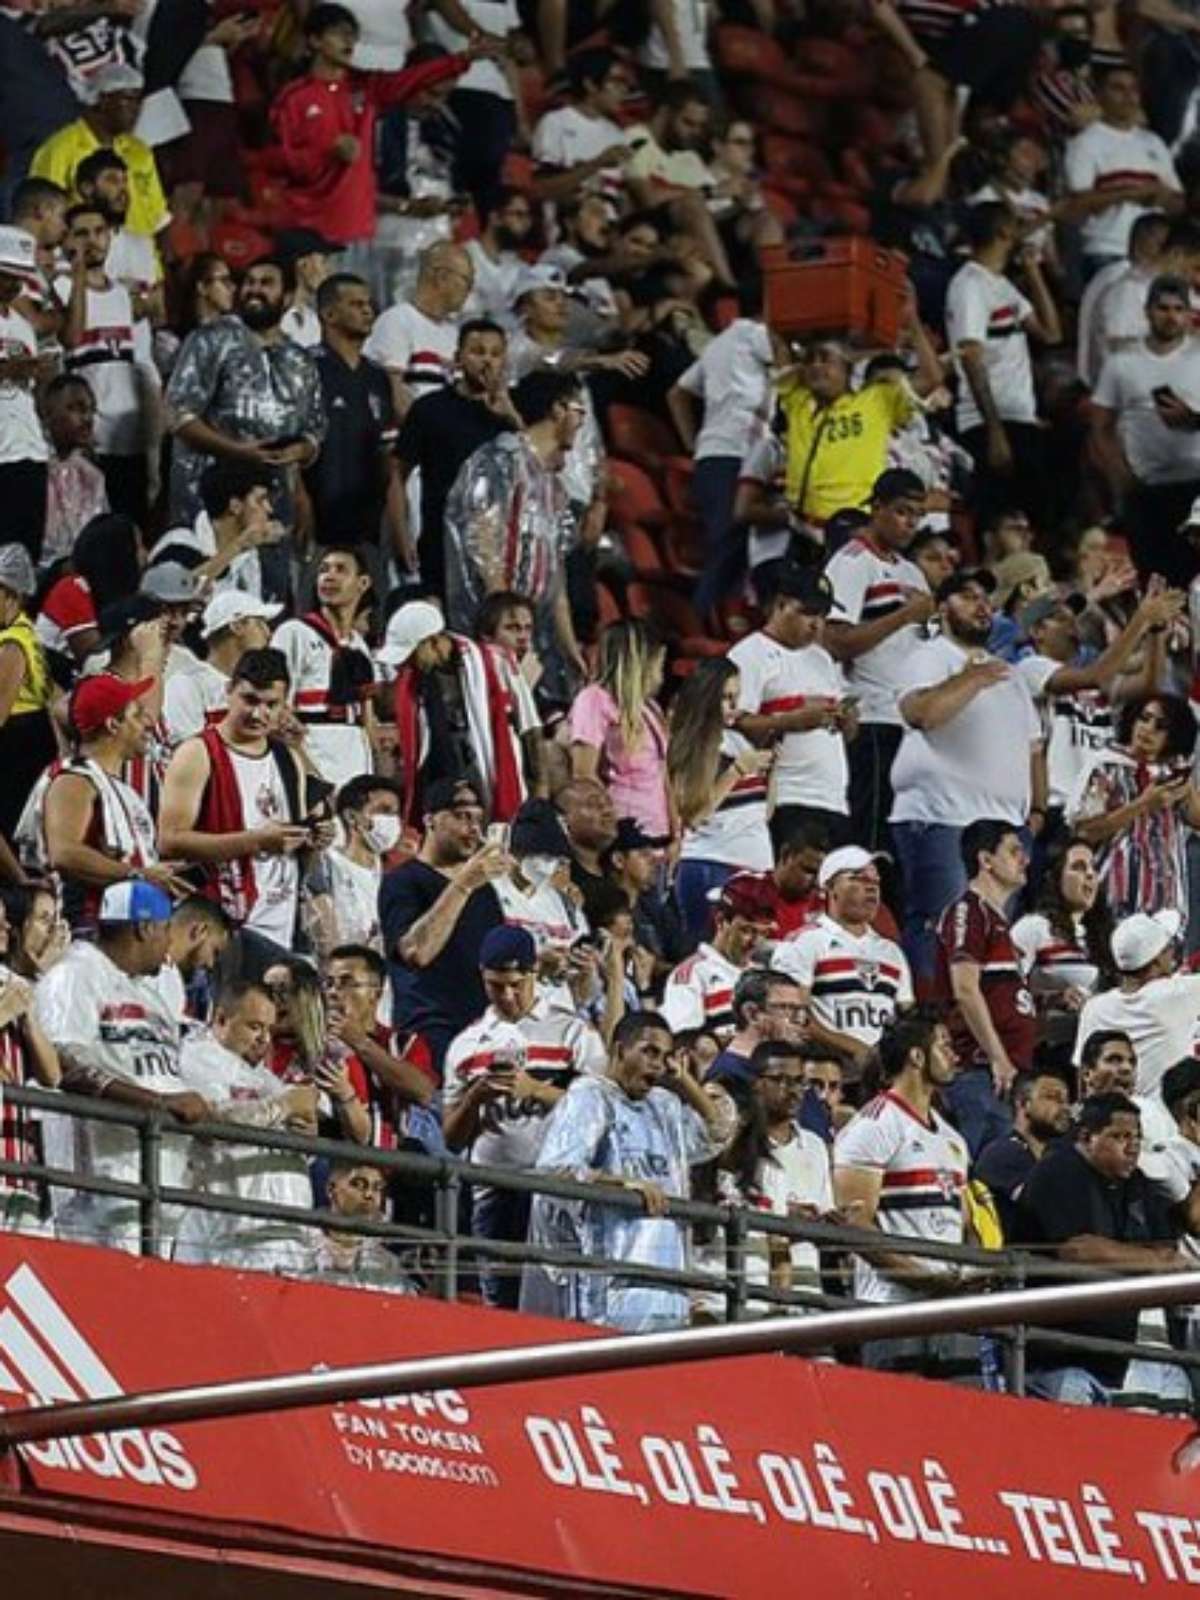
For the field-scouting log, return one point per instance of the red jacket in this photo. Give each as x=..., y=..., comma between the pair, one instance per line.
x=331, y=196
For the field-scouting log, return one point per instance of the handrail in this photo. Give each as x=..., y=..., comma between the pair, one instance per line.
x=446, y=1175
x=575, y=1357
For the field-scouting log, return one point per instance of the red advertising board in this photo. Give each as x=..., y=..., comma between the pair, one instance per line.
x=731, y=1478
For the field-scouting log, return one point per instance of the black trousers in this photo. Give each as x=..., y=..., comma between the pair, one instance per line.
x=127, y=479
x=1025, y=487
x=486, y=127
x=23, y=496
x=1153, y=514
x=870, y=757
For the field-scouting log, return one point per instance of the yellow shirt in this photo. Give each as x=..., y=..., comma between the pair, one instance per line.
x=846, y=440
x=36, y=689
x=60, y=155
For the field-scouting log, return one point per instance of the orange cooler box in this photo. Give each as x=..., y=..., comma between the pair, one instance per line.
x=844, y=286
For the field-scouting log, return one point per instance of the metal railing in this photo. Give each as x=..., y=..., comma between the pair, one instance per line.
x=446, y=1254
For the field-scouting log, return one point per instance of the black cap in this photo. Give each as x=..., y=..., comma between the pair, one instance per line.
x=632, y=836
x=897, y=483
x=121, y=616
x=292, y=243
x=538, y=831
x=443, y=794
x=963, y=578
x=809, y=585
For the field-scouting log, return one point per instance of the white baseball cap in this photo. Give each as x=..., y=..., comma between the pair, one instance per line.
x=850, y=858
x=18, y=252
x=229, y=606
x=410, y=626
x=1138, y=939
x=1192, y=520
x=543, y=275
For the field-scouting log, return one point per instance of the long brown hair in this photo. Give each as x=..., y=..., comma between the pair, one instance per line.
x=694, y=747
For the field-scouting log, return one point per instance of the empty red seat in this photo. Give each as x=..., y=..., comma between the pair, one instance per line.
x=641, y=436
x=785, y=158
x=747, y=53
x=633, y=495
x=781, y=109
x=642, y=551
x=684, y=545
x=678, y=484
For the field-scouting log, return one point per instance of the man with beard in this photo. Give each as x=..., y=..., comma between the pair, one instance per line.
x=241, y=390
x=355, y=481
x=971, y=747
x=103, y=180
x=441, y=430
x=104, y=346
x=1041, y=1114
x=494, y=255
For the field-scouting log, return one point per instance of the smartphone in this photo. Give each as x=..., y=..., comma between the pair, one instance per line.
x=497, y=834
x=1163, y=392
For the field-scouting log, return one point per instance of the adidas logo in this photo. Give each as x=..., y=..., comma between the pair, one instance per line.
x=47, y=1361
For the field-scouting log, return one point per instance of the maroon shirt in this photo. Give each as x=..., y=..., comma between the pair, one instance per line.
x=973, y=930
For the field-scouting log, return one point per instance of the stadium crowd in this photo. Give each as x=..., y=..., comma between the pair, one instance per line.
x=471, y=682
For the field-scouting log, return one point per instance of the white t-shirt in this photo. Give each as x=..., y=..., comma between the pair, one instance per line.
x=924, y=1168
x=869, y=583
x=338, y=750
x=302, y=324
x=244, y=572
x=565, y=137
x=194, y=698
x=1092, y=325
x=21, y=436
x=699, y=993
x=733, y=380
x=1030, y=205
x=413, y=346
x=1103, y=155
x=1050, y=963
x=276, y=877
x=765, y=464
x=354, y=890
x=384, y=35
x=555, y=1048
x=810, y=768
x=855, y=982
x=977, y=763
x=1160, y=1018
x=1075, y=726
x=736, y=833
x=495, y=281
x=1156, y=453
x=133, y=261
x=691, y=23
x=108, y=357
x=984, y=307
x=493, y=16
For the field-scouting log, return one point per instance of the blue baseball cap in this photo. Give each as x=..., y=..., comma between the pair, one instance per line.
x=507, y=948
x=135, y=900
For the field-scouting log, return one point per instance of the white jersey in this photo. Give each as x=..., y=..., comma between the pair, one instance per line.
x=195, y=697
x=699, y=993
x=923, y=1165
x=869, y=583
x=248, y=1095
x=113, y=1027
x=1093, y=317
x=810, y=768
x=732, y=380
x=552, y=920
x=1076, y=726
x=855, y=982
x=736, y=833
x=1127, y=384
x=1049, y=963
x=414, y=348
x=276, y=877
x=1160, y=1018
x=567, y=137
x=985, y=308
x=1103, y=156
x=113, y=358
x=336, y=741
x=354, y=890
x=553, y=1048
x=21, y=435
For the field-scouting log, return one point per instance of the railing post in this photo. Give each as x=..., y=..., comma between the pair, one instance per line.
x=1018, y=1348
x=150, y=1204
x=735, y=1264
x=449, y=1188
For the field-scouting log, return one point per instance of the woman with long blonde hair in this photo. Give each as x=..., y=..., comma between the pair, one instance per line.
x=618, y=732
x=718, y=785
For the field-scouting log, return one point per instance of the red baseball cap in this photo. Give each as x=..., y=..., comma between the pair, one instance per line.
x=750, y=895
x=97, y=699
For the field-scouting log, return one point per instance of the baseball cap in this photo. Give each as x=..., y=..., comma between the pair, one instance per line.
x=1138, y=939
x=508, y=949
x=171, y=582
x=16, y=570
x=1026, y=566
x=116, y=78
x=95, y=700
x=632, y=836
x=897, y=483
x=962, y=579
x=443, y=794
x=1040, y=610
x=231, y=605
x=117, y=619
x=18, y=252
x=292, y=243
x=541, y=276
x=134, y=900
x=809, y=585
x=410, y=626
x=850, y=858
x=536, y=830
x=747, y=894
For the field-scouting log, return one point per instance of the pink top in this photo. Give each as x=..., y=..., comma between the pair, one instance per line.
x=636, y=779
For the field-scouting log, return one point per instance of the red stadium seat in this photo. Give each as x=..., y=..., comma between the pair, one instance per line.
x=678, y=482
x=785, y=158
x=633, y=495
x=607, y=607
x=674, y=616
x=641, y=436
x=684, y=546
x=643, y=553
x=746, y=53
x=781, y=109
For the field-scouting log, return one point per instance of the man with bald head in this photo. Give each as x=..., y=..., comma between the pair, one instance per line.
x=417, y=339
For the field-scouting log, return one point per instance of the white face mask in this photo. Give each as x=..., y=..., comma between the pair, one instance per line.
x=383, y=833
x=538, y=870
